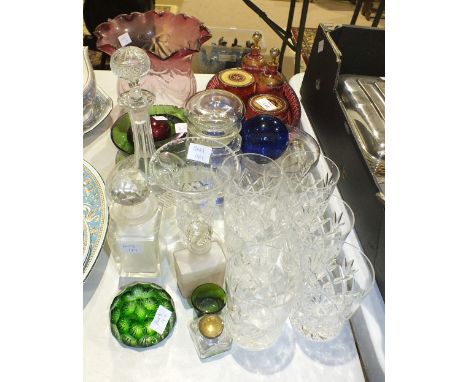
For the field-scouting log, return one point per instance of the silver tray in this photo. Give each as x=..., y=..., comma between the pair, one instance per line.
x=363, y=100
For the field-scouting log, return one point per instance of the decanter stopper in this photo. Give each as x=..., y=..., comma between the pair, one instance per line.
x=270, y=81
x=274, y=54
x=253, y=62
x=256, y=37
x=132, y=63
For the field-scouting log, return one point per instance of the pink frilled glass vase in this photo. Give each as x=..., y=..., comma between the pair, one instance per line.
x=169, y=40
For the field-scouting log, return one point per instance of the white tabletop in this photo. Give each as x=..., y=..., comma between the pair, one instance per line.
x=175, y=359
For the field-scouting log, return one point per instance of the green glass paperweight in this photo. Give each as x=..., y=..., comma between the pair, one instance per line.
x=142, y=315
x=208, y=299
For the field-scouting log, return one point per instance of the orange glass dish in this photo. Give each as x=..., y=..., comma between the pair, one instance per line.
x=268, y=104
x=237, y=81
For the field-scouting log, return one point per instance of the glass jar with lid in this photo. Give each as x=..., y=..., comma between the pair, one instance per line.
x=216, y=114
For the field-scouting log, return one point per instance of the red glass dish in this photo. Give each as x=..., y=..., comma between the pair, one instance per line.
x=294, y=109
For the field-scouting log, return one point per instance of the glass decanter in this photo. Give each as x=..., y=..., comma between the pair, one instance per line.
x=135, y=214
x=270, y=80
x=253, y=61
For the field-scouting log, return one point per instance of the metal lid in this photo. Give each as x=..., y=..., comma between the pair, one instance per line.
x=211, y=326
x=363, y=98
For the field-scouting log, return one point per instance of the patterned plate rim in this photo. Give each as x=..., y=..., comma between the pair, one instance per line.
x=96, y=248
x=101, y=94
x=86, y=242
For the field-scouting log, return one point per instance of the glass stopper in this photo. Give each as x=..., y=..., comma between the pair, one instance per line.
x=274, y=54
x=256, y=37
x=130, y=63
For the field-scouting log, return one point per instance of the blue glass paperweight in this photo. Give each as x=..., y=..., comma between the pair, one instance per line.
x=265, y=135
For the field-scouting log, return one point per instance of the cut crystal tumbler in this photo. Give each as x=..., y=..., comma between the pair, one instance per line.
x=332, y=294
x=261, y=284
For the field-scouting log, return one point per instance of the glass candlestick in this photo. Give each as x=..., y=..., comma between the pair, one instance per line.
x=135, y=214
x=270, y=81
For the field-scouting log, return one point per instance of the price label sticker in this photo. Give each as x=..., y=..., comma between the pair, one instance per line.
x=180, y=127
x=199, y=153
x=159, y=118
x=131, y=248
x=124, y=39
x=320, y=46
x=266, y=104
x=160, y=320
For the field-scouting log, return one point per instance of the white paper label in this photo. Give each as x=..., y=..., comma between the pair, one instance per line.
x=125, y=39
x=199, y=153
x=222, y=57
x=131, y=248
x=159, y=118
x=320, y=46
x=266, y=104
x=160, y=320
x=180, y=127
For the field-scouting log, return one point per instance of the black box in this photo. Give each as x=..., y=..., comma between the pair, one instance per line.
x=337, y=50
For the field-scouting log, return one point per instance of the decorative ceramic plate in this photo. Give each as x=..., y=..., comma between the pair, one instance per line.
x=142, y=315
x=95, y=214
x=86, y=241
x=102, y=108
x=294, y=112
x=119, y=131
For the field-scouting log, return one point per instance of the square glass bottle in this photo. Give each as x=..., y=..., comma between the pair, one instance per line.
x=209, y=335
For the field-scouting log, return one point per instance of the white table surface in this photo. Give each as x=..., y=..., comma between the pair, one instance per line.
x=175, y=359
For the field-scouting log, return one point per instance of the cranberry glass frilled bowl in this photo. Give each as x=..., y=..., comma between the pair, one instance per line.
x=169, y=40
